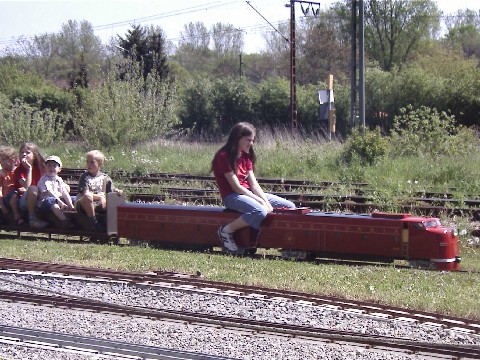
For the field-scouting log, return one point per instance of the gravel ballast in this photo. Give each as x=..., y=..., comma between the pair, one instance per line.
x=202, y=339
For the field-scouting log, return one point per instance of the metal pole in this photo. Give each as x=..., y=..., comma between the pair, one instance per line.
x=361, y=63
x=240, y=58
x=353, y=65
x=293, y=86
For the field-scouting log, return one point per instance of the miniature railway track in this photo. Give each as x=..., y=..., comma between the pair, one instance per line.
x=302, y=192
x=318, y=202
x=185, y=282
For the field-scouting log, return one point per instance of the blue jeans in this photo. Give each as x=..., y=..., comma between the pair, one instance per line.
x=252, y=211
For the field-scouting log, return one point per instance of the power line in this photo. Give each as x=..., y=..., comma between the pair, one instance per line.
x=179, y=12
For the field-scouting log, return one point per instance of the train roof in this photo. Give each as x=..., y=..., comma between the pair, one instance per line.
x=374, y=215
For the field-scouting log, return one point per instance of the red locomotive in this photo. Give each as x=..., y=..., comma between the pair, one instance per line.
x=300, y=233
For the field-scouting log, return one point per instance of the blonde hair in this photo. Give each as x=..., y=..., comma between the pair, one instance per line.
x=8, y=152
x=97, y=155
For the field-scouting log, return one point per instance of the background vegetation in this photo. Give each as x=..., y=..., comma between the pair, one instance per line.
x=141, y=87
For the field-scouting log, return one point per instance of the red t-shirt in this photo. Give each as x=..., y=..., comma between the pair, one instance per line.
x=21, y=173
x=7, y=183
x=221, y=167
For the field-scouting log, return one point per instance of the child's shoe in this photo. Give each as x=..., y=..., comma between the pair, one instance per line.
x=227, y=240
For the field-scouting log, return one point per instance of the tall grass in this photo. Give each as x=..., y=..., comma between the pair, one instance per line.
x=295, y=156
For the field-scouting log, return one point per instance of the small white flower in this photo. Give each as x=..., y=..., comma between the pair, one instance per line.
x=463, y=232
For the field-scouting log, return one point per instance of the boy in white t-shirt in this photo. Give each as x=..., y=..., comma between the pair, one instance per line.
x=54, y=192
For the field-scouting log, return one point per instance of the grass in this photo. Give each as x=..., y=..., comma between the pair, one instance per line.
x=445, y=292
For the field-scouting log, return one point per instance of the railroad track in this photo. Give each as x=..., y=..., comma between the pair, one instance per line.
x=255, y=327
x=302, y=192
x=313, y=201
x=194, y=283
x=246, y=327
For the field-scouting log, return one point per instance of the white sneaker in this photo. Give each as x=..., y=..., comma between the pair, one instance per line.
x=227, y=240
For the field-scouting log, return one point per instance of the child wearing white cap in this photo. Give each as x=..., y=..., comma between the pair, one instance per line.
x=54, y=192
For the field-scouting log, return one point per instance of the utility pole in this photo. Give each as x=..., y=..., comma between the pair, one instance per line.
x=293, y=70
x=293, y=79
x=353, y=65
x=361, y=63
x=241, y=63
x=358, y=32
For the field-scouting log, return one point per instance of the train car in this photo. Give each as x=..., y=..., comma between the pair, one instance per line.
x=299, y=233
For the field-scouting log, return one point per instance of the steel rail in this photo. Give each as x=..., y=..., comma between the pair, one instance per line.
x=93, y=346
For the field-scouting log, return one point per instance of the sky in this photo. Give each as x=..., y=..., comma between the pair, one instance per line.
x=115, y=17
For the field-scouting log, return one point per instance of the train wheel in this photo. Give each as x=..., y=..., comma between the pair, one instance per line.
x=421, y=264
x=297, y=254
x=252, y=251
x=140, y=243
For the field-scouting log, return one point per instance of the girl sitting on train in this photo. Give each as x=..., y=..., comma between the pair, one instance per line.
x=26, y=177
x=233, y=168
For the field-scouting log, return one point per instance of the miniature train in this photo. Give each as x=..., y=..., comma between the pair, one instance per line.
x=298, y=233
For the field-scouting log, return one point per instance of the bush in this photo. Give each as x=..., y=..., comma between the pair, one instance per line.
x=126, y=112
x=366, y=149
x=197, y=112
x=233, y=100
x=426, y=132
x=45, y=97
x=273, y=107
x=22, y=122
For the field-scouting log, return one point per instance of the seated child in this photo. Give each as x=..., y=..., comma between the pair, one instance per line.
x=9, y=161
x=26, y=177
x=93, y=186
x=53, y=192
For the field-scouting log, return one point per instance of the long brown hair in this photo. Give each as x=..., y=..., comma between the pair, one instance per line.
x=238, y=131
x=38, y=159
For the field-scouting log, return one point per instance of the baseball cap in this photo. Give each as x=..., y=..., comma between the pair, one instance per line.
x=54, y=158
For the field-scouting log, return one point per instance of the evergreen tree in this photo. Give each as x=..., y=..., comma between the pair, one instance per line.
x=146, y=46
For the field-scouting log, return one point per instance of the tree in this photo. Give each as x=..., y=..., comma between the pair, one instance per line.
x=62, y=56
x=40, y=53
x=321, y=52
x=278, y=49
x=395, y=28
x=196, y=36
x=226, y=40
x=465, y=37
x=193, y=51
x=273, y=106
x=463, y=17
x=81, y=51
x=147, y=47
